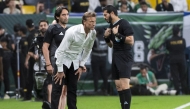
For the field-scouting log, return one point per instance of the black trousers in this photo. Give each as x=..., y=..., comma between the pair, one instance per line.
x=71, y=82
x=179, y=76
x=30, y=79
x=6, y=67
x=98, y=65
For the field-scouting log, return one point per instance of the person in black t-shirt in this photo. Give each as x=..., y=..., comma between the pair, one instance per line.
x=164, y=6
x=176, y=47
x=52, y=40
x=119, y=36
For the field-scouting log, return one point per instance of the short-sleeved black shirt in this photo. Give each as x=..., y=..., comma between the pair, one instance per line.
x=124, y=29
x=54, y=36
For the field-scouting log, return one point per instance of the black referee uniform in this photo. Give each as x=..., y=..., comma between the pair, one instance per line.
x=54, y=36
x=176, y=47
x=122, y=58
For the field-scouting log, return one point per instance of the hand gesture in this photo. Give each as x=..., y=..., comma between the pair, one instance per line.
x=58, y=77
x=115, y=29
x=107, y=32
x=79, y=72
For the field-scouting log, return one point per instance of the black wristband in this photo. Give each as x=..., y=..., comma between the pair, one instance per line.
x=107, y=40
x=121, y=37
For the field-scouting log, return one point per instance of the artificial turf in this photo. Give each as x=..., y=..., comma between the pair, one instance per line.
x=108, y=102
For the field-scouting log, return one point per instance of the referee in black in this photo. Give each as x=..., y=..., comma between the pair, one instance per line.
x=119, y=36
x=52, y=40
x=176, y=47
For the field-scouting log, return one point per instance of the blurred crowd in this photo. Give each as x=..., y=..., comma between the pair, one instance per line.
x=79, y=6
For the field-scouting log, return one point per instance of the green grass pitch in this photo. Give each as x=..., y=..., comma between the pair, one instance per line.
x=108, y=102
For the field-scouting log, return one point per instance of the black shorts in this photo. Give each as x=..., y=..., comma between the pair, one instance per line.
x=121, y=67
x=49, y=79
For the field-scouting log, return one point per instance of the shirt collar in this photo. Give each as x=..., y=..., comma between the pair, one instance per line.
x=58, y=25
x=82, y=29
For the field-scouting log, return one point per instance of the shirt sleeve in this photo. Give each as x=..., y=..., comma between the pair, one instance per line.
x=87, y=50
x=65, y=44
x=127, y=29
x=49, y=34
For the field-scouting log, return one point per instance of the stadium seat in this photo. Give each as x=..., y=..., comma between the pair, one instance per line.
x=28, y=9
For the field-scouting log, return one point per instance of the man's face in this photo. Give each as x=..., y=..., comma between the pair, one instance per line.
x=107, y=16
x=43, y=27
x=90, y=23
x=64, y=16
x=124, y=8
x=144, y=8
x=143, y=72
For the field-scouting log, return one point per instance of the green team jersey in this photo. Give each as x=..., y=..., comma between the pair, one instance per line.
x=150, y=78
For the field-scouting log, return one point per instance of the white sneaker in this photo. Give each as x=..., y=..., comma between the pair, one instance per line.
x=6, y=97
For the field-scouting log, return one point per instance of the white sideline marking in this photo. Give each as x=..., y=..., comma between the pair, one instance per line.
x=183, y=106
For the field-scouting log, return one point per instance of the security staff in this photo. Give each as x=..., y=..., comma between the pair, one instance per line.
x=99, y=60
x=23, y=48
x=52, y=40
x=30, y=79
x=176, y=47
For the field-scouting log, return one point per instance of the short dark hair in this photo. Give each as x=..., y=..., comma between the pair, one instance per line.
x=4, y=39
x=23, y=29
x=16, y=27
x=88, y=14
x=110, y=9
x=58, y=12
x=43, y=20
x=175, y=30
x=143, y=3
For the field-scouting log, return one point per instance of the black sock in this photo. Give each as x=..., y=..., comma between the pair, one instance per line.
x=121, y=97
x=125, y=98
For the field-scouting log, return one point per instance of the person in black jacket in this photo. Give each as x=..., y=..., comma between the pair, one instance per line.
x=176, y=47
x=119, y=36
x=164, y=6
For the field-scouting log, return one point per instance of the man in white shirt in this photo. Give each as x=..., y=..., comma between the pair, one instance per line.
x=78, y=39
x=145, y=9
x=179, y=5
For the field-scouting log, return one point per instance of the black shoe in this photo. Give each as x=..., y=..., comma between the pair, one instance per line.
x=46, y=105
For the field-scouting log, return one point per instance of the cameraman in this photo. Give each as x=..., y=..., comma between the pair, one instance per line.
x=33, y=51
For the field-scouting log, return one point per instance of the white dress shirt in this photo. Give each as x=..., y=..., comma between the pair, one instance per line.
x=149, y=10
x=73, y=44
x=179, y=5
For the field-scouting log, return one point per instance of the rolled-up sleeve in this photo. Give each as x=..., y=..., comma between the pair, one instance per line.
x=59, y=54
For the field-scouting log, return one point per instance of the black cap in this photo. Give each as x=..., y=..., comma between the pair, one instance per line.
x=3, y=39
x=29, y=23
